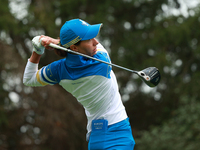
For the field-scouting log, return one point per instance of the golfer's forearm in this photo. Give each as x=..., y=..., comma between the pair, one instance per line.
x=35, y=58
x=30, y=74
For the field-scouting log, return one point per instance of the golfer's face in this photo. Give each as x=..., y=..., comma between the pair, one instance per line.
x=88, y=47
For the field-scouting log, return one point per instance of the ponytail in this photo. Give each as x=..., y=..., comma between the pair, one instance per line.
x=60, y=53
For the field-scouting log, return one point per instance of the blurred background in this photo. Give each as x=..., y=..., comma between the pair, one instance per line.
x=137, y=34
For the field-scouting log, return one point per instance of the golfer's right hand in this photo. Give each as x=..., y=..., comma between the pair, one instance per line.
x=46, y=40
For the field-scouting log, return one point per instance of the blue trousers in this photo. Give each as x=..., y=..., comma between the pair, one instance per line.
x=117, y=137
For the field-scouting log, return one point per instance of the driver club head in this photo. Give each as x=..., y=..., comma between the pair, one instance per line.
x=151, y=76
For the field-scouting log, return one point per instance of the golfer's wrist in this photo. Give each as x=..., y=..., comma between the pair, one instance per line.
x=35, y=58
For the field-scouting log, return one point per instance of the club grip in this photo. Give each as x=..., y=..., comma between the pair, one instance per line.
x=54, y=46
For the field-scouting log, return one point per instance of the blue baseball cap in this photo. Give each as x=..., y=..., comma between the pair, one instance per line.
x=75, y=30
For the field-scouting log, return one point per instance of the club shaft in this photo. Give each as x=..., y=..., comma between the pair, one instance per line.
x=74, y=52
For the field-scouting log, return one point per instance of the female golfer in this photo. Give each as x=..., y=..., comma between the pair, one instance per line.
x=92, y=83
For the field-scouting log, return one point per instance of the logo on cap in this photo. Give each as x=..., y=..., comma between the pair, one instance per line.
x=84, y=23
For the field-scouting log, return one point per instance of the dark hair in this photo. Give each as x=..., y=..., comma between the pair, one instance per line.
x=63, y=53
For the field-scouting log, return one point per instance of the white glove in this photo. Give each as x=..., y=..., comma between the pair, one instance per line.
x=37, y=46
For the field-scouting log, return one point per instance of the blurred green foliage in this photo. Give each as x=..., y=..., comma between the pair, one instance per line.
x=181, y=131
x=137, y=34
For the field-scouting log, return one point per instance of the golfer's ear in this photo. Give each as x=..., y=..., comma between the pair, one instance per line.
x=74, y=48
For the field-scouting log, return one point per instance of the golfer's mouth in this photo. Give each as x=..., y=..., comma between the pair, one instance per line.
x=95, y=51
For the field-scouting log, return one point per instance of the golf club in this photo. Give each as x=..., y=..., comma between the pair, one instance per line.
x=151, y=75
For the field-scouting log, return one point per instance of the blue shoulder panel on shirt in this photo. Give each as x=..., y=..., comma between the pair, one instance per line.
x=50, y=73
x=75, y=67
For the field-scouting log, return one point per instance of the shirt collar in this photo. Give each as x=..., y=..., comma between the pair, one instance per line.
x=75, y=60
